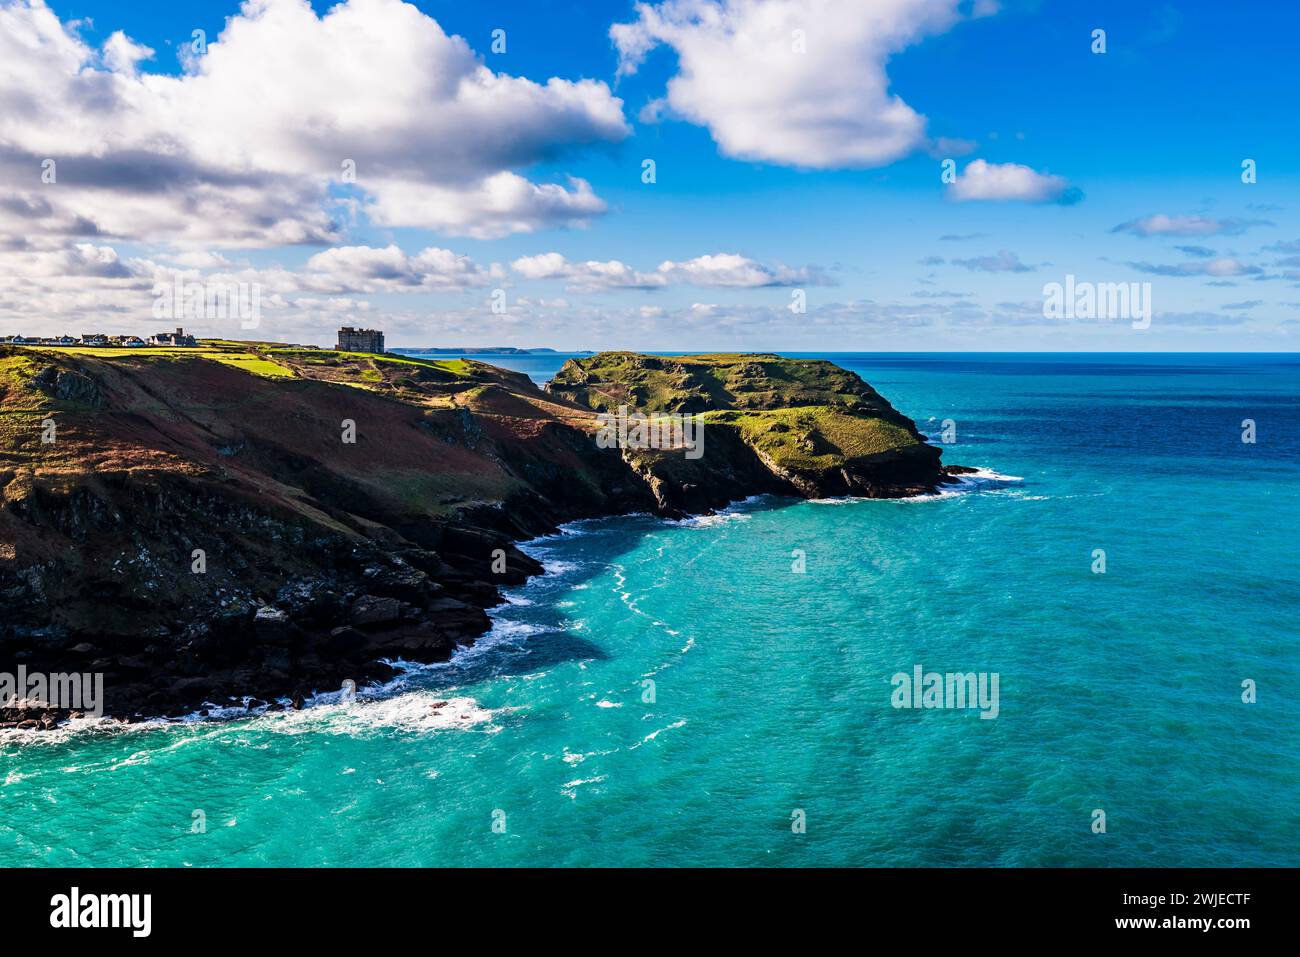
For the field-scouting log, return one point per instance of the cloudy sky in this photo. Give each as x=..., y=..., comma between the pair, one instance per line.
x=674, y=176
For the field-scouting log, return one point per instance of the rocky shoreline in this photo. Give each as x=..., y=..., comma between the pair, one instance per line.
x=317, y=565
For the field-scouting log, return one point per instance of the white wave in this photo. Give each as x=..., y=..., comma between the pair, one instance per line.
x=577, y=757
x=574, y=529
x=511, y=628
x=736, y=511
x=418, y=711
x=66, y=730
x=965, y=483
x=989, y=475
x=552, y=567
x=654, y=734
x=712, y=521
x=570, y=789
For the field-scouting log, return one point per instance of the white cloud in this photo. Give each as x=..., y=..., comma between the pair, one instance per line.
x=1004, y=261
x=494, y=207
x=590, y=275
x=718, y=270
x=334, y=304
x=200, y=259
x=1219, y=267
x=729, y=269
x=743, y=74
x=373, y=269
x=1000, y=182
x=1162, y=225
x=87, y=287
x=121, y=53
x=242, y=150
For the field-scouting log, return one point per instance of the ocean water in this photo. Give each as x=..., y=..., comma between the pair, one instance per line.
x=772, y=687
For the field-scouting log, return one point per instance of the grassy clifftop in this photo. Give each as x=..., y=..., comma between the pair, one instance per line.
x=713, y=382
x=819, y=429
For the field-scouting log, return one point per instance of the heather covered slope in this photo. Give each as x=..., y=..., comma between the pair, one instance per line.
x=262, y=520
x=801, y=426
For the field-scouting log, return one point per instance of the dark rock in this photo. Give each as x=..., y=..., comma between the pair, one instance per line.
x=373, y=611
x=68, y=386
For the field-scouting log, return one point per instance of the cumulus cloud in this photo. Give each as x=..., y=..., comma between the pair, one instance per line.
x=87, y=259
x=1162, y=225
x=727, y=270
x=122, y=54
x=1001, y=182
x=588, y=275
x=731, y=270
x=494, y=207
x=242, y=149
x=373, y=269
x=85, y=286
x=794, y=82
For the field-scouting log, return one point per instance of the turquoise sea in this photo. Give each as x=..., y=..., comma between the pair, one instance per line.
x=772, y=688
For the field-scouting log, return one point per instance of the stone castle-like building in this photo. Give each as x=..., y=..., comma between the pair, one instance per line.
x=360, y=340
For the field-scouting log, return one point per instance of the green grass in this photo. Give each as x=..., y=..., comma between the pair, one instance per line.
x=114, y=351
x=722, y=381
x=810, y=438
x=248, y=360
x=260, y=358
x=457, y=367
x=17, y=368
x=257, y=365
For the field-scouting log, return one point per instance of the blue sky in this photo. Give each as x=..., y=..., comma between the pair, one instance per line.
x=773, y=175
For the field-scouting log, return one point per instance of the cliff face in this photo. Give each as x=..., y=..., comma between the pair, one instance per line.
x=262, y=521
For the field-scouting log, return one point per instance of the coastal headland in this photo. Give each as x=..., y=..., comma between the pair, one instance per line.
x=239, y=521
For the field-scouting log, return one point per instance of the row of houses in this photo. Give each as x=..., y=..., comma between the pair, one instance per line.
x=95, y=340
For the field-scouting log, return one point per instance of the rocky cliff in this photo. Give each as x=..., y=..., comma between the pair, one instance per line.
x=252, y=520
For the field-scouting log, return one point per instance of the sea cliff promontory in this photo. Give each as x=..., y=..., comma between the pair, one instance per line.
x=246, y=520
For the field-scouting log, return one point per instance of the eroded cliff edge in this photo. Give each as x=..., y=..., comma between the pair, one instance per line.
x=263, y=521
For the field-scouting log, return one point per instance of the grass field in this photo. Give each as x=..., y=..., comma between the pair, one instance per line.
x=250, y=361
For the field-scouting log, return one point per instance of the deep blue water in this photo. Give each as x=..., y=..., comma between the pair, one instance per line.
x=1119, y=692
